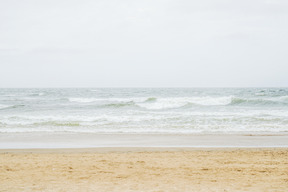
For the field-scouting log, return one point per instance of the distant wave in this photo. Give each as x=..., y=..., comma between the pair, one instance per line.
x=284, y=98
x=182, y=102
x=117, y=105
x=83, y=100
x=165, y=103
x=37, y=94
x=112, y=100
x=2, y=107
x=153, y=102
x=259, y=102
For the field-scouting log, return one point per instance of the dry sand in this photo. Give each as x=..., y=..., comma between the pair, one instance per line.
x=144, y=170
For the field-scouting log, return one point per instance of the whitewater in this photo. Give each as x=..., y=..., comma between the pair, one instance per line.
x=145, y=110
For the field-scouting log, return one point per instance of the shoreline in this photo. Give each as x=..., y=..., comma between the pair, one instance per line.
x=42, y=140
x=133, y=150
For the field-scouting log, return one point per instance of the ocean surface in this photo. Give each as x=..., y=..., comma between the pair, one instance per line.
x=145, y=110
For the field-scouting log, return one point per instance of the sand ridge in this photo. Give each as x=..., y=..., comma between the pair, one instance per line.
x=195, y=170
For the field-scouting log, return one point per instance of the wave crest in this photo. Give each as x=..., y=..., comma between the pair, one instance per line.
x=3, y=107
x=118, y=105
x=258, y=102
x=150, y=99
x=158, y=103
x=57, y=124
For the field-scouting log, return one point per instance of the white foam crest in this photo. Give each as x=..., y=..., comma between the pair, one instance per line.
x=36, y=94
x=284, y=98
x=212, y=100
x=161, y=103
x=281, y=99
x=142, y=116
x=166, y=103
x=4, y=106
x=84, y=100
x=260, y=94
x=90, y=100
x=82, y=119
x=217, y=121
x=150, y=129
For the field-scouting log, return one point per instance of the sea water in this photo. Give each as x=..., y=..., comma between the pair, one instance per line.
x=145, y=110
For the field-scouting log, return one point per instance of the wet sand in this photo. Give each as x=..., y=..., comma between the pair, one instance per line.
x=144, y=169
x=96, y=140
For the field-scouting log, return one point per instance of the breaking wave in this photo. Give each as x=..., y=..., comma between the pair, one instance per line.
x=182, y=102
x=151, y=99
x=144, y=110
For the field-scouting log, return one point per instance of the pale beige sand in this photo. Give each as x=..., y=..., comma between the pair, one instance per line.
x=147, y=170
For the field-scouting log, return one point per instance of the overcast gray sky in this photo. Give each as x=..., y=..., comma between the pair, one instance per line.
x=147, y=43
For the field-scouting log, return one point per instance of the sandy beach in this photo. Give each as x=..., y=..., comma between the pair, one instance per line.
x=144, y=169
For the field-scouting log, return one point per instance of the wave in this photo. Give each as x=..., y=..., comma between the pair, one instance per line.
x=91, y=100
x=180, y=102
x=158, y=103
x=83, y=100
x=280, y=101
x=3, y=107
x=150, y=99
x=118, y=105
x=57, y=124
x=193, y=126
x=174, y=103
x=148, y=121
x=260, y=94
x=37, y=94
x=284, y=98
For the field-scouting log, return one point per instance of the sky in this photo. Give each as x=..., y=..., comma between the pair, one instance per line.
x=143, y=43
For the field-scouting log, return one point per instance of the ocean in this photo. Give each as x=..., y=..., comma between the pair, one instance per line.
x=145, y=110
